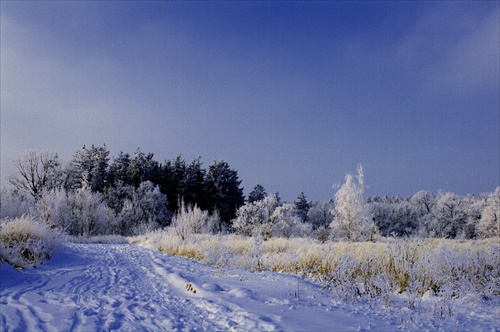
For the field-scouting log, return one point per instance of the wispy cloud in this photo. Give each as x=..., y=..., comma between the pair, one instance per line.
x=279, y=90
x=450, y=58
x=472, y=64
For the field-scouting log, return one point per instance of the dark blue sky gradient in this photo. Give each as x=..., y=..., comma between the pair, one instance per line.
x=291, y=94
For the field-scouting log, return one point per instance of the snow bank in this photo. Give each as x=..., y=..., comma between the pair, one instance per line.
x=94, y=286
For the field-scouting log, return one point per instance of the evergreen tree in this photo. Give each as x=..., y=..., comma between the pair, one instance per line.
x=137, y=167
x=257, y=194
x=223, y=191
x=118, y=194
x=142, y=168
x=194, y=185
x=277, y=198
x=100, y=158
x=119, y=169
x=90, y=166
x=152, y=169
x=302, y=207
x=172, y=181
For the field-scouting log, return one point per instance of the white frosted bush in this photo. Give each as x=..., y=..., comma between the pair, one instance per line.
x=26, y=241
x=193, y=220
x=80, y=213
x=259, y=214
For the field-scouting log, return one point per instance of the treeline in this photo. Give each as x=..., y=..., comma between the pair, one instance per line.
x=131, y=194
x=350, y=216
x=127, y=193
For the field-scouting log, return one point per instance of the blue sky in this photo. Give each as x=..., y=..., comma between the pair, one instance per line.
x=291, y=94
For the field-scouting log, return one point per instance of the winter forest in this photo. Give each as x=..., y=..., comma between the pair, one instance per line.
x=358, y=248
x=95, y=194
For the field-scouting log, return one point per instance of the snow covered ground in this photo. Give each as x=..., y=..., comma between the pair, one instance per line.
x=127, y=287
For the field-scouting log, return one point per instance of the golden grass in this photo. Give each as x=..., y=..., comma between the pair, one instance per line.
x=430, y=262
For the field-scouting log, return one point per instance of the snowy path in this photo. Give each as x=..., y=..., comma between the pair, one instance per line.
x=126, y=287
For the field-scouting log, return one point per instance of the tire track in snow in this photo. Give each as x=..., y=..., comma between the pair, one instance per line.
x=206, y=302
x=117, y=286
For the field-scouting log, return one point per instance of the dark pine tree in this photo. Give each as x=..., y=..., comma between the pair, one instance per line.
x=302, y=206
x=119, y=170
x=257, y=194
x=223, y=191
x=194, y=185
x=152, y=169
x=136, y=168
x=172, y=181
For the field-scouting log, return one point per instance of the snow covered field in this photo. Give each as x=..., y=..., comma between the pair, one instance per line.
x=128, y=287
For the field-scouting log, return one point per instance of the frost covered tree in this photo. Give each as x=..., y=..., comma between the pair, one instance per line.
x=193, y=220
x=352, y=221
x=449, y=216
x=424, y=201
x=80, y=212
x=87, y=213
x=271, y=218
x=52, y=208
x=248, y=217
x=132, y=219
x=258, y=193
x=320, y=214
x=145, y=210
x=489, y=224
x=394, y=216
x=154, y=204
x=90, y=165
x=36, y=171
x=383, y=214
x=474, y=206
x=406, y=218
x=119, y=170
x=118, y=193
x=259, y=214
x=288, y=223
